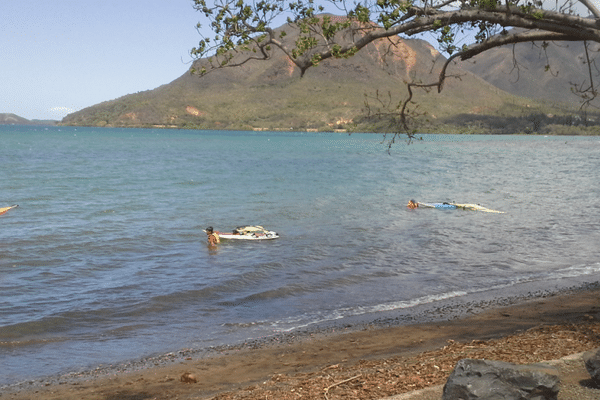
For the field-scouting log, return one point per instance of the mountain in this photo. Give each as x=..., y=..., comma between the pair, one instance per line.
x=521, y=70
x=8, y=119
x=272, y=95
x=12, y=119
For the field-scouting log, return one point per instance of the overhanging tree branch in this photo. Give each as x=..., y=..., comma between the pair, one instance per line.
x=320, y=38
x=244, y=30
x=591, y=7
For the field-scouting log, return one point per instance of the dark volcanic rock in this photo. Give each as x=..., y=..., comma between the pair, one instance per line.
x=592, y=364
x=496, y=380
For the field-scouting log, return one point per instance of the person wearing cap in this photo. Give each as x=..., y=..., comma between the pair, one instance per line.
x=212, y=236
x=412, y=204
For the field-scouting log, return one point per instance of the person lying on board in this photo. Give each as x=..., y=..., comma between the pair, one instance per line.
x=212, y=236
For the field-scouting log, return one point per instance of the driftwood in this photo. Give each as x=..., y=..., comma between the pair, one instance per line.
x=326, y=390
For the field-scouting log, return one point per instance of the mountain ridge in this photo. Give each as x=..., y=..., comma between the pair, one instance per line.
x=336, y=94
x=535, y=70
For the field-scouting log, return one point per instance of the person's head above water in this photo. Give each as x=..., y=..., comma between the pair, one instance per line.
x=412, y=204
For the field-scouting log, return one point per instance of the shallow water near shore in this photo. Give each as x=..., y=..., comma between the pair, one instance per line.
x=105, y=260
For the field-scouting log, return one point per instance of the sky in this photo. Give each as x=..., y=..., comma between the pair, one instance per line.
x=59, y=56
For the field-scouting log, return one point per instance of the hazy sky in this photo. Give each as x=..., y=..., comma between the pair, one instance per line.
x=58, y=56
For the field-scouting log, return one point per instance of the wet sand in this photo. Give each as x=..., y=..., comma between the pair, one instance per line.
x=367, y=362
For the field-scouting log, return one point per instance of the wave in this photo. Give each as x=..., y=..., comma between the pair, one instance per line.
x=295, y=323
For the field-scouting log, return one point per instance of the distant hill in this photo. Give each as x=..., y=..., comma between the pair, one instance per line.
x=272, y=95
x=525, y=75
x=6, y=119
x=12, y=119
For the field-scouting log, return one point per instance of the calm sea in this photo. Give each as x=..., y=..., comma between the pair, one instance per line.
x=105, y=260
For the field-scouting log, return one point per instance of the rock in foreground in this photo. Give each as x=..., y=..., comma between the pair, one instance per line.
x=496, y=380
x=592, y=364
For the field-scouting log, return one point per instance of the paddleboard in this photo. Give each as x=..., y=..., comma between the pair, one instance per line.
x=248, y=233
x=454, y=206
x=441, y=206
x=5, y=209
x=476, y=207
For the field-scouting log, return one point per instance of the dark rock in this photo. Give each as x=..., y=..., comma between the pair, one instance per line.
x=592, y=364
x=496, y=380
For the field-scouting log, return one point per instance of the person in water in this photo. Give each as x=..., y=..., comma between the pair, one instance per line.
x=212, y=236
x=412, y=204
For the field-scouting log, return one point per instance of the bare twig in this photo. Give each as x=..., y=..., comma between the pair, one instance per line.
x=326, y=390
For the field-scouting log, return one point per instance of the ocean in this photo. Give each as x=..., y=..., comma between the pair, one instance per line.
x=104, y=262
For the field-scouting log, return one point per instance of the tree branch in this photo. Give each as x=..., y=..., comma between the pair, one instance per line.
x=520, y=37
x=556, y=26
x=244, y=27
x=590, y=6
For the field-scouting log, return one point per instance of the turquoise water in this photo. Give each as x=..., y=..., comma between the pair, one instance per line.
x=105, y=260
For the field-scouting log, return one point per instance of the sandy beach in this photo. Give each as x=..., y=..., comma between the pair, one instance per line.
x=367, y=363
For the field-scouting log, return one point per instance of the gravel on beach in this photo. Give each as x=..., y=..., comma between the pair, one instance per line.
x=371, y=363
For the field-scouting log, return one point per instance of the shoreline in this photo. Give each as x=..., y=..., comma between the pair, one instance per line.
x=445, y=129
x=232, y=369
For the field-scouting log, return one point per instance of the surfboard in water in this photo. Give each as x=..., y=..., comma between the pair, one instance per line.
x=5, y=209
x=441, y=206
x=248, y=233
x=476, y=207
x=454, y=206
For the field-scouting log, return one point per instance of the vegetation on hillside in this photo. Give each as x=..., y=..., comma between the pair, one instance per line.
x=353, y=94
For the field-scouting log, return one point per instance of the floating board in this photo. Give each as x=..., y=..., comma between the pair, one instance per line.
x=5, y=209
x=476, y=207
x=248, y=233
x=253, y=236
x=442, y=206
x=454, y=206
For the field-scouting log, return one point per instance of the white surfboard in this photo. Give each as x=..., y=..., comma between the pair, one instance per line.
x=254, y=232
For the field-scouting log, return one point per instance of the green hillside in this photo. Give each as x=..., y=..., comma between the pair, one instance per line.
x=272, y=95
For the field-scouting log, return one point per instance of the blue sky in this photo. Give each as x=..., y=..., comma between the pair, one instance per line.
x=58, y=56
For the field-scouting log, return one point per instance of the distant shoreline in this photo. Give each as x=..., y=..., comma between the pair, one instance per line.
x=551, y=130
x=483, y=125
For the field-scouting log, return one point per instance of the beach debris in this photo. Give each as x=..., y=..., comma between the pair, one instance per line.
x=404, y=373
x=486, y=379
x=326, y=390
x=592, y=364
x=188, y=377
